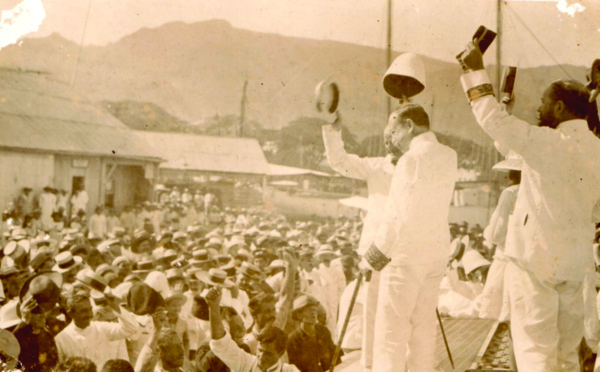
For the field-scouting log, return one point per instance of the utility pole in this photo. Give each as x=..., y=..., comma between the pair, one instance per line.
x=243, y=110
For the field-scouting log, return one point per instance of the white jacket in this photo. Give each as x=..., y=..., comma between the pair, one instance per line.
x=377, y=171
x=551, y=230
x=415, y=224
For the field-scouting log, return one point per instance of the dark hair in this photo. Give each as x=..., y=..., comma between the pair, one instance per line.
x=255, y=304
x=514, y=176
x=76, y=364
x=165, y=337
x=416, y=113
x=117, y=365
x=275, y=336
x=576, y=98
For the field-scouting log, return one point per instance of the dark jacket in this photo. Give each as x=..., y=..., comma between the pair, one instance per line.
x=311, y=354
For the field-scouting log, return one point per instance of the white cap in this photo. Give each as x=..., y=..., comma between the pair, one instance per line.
x=405, y=77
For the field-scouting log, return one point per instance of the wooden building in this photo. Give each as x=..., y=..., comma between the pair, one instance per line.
x=232, y=168
x=52, y=136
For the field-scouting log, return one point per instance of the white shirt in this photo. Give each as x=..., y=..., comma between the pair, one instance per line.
x=551, y=230
x=415, y=224
x=377, y=172
x=496, y=230
x=93, y=341
x=354, y=332
x=98, y=225
x=240, y=361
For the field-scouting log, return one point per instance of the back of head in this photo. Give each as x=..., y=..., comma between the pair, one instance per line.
x=416, y=113
x=76, y=364
x=255, y=304
x=166, y=337
x=117, y=365
x=275, y=336
x=576, y=98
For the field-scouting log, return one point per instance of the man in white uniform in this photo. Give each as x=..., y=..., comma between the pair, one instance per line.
x=377, y=172
x=412, y=241
x=551, y=229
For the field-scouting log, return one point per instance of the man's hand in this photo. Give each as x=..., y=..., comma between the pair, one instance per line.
x=365, y=268
x=508, y=102
x=471, y=58
x=27, y=307
x=159, y=318
x=213, y=298
x=113, y=302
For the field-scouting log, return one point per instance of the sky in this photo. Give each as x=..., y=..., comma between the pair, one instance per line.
x=436, y=28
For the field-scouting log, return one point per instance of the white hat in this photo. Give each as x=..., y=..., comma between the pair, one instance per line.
x=472, y=260
x=513, y=161
x=405, y=77
x=65, y=261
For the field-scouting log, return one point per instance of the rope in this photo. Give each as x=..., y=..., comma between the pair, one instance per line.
x=538, y=41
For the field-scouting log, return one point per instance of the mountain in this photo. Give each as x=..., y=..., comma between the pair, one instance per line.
x=196, y=71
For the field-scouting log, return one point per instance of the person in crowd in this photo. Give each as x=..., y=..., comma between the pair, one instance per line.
x=549, y=234
x=39, y=353
x=77, y=364
x=266, y=310
x=117, y=365
x=97, y=225
x=79, y=201
x=47, y=202
x=332, y=281
x=82, y=337
x=25, y=202
x=272, y=343
x=410, y=247
x=494, y=303
x=163, y=353
x=377, y=172
x=310, y=347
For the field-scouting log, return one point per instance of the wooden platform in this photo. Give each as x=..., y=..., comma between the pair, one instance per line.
x=465, y=337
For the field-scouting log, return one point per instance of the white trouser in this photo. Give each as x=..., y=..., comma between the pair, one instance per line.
x=405, y=330
x=546, y=320
x=371, y=295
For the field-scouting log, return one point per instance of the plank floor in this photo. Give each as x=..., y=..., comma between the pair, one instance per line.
x=465, y=337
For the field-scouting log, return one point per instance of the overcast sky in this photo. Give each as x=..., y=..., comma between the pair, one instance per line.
x=437, y=28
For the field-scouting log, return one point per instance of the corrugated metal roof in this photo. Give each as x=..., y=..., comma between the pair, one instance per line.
x=205, y=153
x=284, y=170
x=39, y=113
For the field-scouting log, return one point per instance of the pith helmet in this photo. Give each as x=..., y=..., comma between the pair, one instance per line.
x=405, y=78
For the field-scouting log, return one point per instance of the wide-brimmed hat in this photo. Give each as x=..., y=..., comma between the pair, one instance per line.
x=200, y=256
x=512, y=161
x=301, y=302
x=9, y=344
x=104, y=268
x=144, y=266
x=324, y=250
x=159, y=282
x=65, y=261
x=97, y=285
x=472, y=260
x=230, y=270
x=15, y=250
x=215, y=277
x=213, y=242
x=119, y=260
x=44, y=288
x=37, y=260
x=18, y=233
x=250, y=270
x=169, y=255
x=104, y=246
x=174, y=273
x=180, y=235
x=9, y=316
x=143, y=300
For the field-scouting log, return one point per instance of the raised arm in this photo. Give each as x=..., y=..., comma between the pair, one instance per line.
x=348, y=165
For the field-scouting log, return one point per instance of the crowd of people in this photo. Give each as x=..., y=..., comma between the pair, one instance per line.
x=139, y=298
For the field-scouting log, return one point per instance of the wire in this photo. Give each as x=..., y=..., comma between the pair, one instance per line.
x=538, y=40
x=87, y=16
